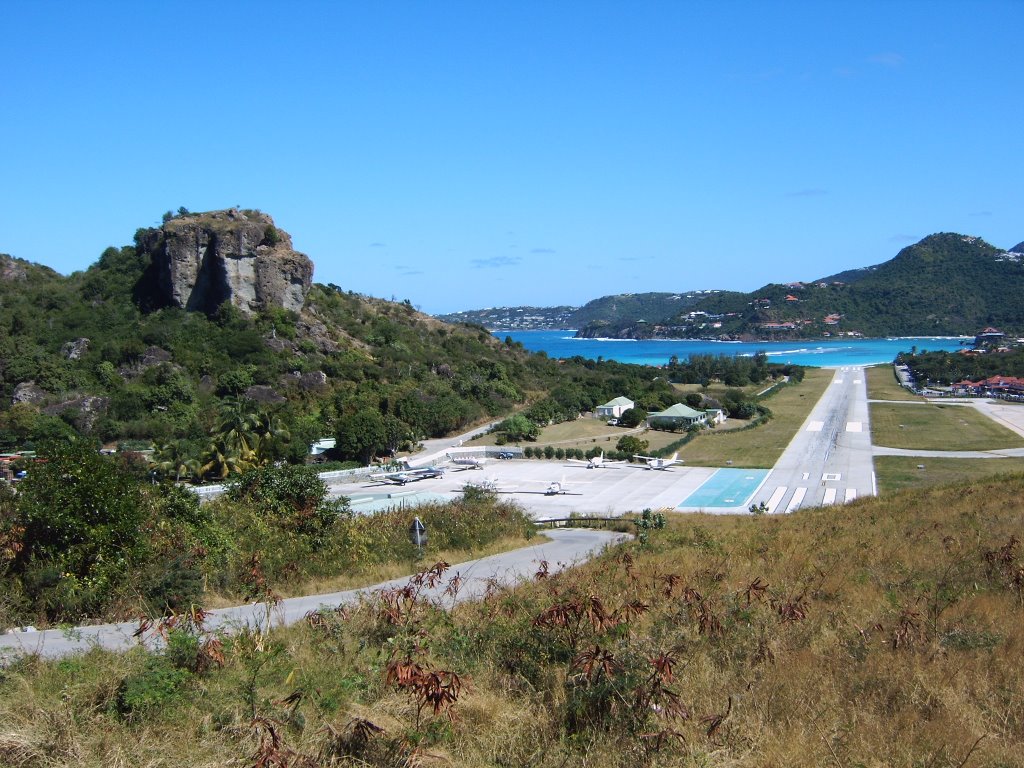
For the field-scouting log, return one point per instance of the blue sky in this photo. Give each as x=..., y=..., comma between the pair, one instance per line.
x=473, y=154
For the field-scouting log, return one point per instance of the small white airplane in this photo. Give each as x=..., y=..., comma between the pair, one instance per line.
x=555, y=487
x=407, y=475
x=469, y=462
x=596, y=462
x=653, y=462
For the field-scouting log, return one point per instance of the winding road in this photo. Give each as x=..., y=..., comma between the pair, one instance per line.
x=561, y=548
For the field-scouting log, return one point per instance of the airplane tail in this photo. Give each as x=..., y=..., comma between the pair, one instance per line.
x=674, y=456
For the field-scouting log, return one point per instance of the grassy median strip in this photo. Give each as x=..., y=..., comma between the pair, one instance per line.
x=761, y=447
x=882, y=385
x=896, y=473
x=938, y=427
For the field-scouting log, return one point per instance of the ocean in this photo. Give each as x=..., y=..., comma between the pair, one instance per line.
x=828, y=353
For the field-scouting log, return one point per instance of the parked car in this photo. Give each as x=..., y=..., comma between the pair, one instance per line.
x=506, y=455
x=613, y=422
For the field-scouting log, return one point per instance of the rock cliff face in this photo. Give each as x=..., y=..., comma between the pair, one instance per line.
x=199, y=261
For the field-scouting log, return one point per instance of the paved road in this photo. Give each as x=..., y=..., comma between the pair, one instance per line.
x=999, y=453
x=829, y=461
x=565, y=547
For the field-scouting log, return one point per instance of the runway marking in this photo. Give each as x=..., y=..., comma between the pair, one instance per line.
x=856, y=381
x=853, y=426
x=806, y=475
x=816, y=426
x=776, y=498
x=838, y=381
x=798, y=497
x=831, y=476
x=830, y=497
x=851, y=494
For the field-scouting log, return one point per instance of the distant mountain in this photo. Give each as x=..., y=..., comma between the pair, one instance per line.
x=947, y=284
x=515, y=318
x=618, y=309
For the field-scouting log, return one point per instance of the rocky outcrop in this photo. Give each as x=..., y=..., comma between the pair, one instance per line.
x=11, y=269
x=29, y=392
x=87, y=411
x=73, y=350
x=311, y=381
x=199, y=261
x=264, y=395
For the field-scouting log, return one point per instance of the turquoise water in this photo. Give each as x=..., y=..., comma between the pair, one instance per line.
x=726, y=488
x=369, y=503
x=824, y=353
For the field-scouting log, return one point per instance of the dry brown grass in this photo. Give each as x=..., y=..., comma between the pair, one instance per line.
x=883, y=633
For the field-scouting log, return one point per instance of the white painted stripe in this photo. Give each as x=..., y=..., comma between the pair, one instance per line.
x=838, y=381
x=798, y=497
x=816, y=426
x=856, y=381
x=853, y=426
x=830, y=497
x=776, y=498
x=851, y=494
x=806, y=475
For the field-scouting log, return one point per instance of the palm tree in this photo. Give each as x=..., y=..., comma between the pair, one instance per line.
x=176, y=457
x=221, y=460
x=236, y=431
x=267, y=428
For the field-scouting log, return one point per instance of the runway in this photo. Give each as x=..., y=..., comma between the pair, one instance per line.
x=828, y=461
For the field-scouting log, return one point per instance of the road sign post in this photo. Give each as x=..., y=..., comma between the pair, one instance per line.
x=418, y=533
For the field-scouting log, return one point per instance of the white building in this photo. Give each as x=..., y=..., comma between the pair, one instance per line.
x=613, y=409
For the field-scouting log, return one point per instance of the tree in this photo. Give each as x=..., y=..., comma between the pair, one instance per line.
x=82, y=517
x=632, y=417
x=176, y=458
x=360, y=436
x=631, y=445
x=291, y=497
x=694, y=400
x=517, y=428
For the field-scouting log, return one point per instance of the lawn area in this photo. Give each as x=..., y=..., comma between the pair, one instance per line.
x=895, y=473
x=942, y=427
x=882, y=385
x=760, y=447
x=581, y=433
x=717, y=390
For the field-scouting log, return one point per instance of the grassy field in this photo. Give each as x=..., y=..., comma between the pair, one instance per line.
x=896, y=473
x=581, y=433
x=941, y=427
x=882, y=385
x=761, y=447
x=884, y=635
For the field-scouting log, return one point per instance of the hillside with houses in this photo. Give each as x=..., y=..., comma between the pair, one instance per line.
x=947, y=284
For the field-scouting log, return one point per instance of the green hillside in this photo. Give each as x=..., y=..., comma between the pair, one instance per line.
x=947, y=284
x=616, y=309
x=102, y=353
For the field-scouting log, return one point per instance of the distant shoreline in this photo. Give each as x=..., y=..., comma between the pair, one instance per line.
x=752, y=340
